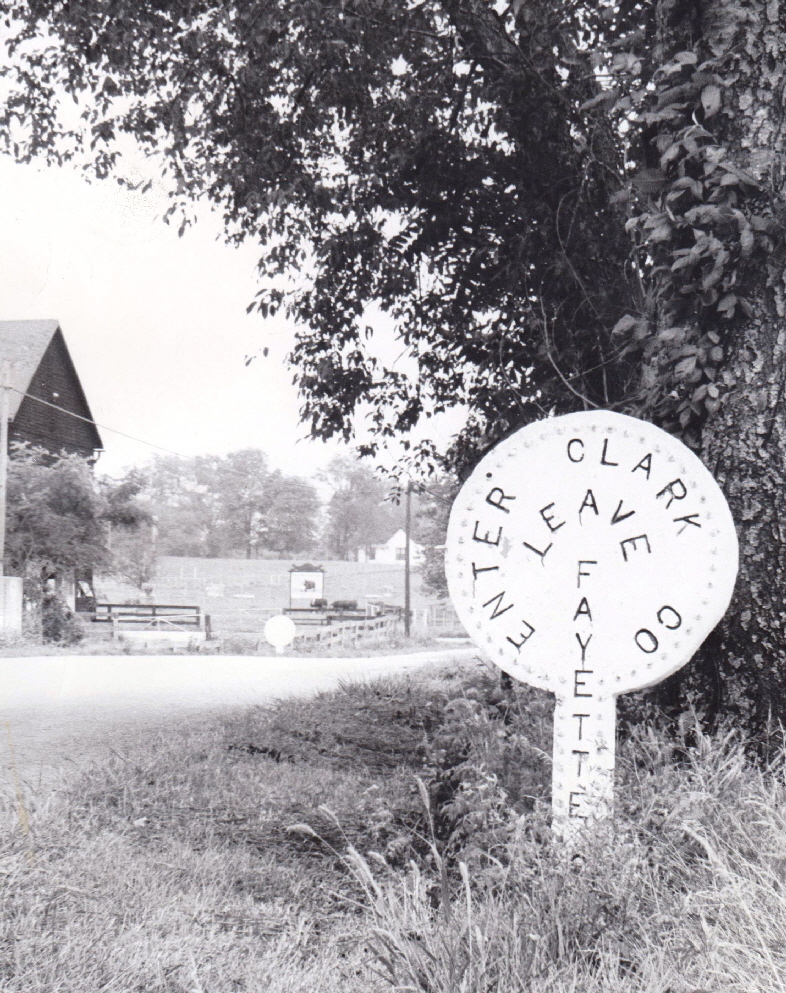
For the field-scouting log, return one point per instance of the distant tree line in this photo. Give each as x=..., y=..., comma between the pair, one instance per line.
x=238, y=506
x=232, y=505
x=64, y=519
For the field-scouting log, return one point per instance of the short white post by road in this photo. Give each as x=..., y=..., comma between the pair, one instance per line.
x=590, y=555
x=280, y=631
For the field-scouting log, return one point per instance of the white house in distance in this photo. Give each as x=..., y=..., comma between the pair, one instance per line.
x=392, y=551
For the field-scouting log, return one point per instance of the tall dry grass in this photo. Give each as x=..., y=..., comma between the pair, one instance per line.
x=686, y=895
x=393, y=836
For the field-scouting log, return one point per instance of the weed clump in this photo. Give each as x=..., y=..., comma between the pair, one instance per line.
x=684, y=893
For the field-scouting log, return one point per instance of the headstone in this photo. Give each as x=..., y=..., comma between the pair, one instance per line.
x=590, y=555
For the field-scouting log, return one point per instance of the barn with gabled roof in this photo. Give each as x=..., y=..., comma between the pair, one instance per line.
x=43, y=379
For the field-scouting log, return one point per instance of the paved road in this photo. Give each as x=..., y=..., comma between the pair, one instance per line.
x=58, y=711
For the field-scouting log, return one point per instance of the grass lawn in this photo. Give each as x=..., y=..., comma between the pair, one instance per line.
x=392, y=836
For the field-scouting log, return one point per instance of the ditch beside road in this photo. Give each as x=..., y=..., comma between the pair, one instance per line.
x=61, y=711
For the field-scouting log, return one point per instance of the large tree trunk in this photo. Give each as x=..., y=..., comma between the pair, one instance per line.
x=741, y=669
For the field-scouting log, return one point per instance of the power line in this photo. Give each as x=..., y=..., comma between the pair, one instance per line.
x=104, y=427
x=124, y=434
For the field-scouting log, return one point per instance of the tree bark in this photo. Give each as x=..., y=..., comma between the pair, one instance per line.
x=741, y=669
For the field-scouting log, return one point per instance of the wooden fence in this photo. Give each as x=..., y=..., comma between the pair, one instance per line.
x=148, y=616
x=367, y=631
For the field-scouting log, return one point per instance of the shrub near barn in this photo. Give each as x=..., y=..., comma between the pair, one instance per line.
x=57, y=525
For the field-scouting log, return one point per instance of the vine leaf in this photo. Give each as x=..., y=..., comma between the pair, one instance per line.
x=711, y=99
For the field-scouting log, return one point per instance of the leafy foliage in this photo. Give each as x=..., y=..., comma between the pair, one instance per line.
x=435, y=498
x=55, y=516
x=701, y=223
x=429, y=158
x=134, y=555
x=474, y=171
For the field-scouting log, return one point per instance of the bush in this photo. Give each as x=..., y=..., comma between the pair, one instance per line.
x=480, y=750
x=59, y=624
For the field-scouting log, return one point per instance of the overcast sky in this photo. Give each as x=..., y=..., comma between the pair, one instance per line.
x=156, y=324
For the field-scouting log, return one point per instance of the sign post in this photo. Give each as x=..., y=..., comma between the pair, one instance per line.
x=590, y=555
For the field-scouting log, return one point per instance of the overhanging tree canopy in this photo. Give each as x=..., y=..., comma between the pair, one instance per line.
x=427, y=157
x=562, y=204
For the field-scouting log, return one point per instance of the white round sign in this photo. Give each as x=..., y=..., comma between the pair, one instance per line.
x=591, y=526
x=280, y=631
x=590, y=555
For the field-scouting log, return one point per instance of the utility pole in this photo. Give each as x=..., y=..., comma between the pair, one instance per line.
x=4, y=410
x=5, y=375
x=407, y=529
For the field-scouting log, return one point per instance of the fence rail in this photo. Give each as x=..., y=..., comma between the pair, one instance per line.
x=148, y=616
x=368, y=630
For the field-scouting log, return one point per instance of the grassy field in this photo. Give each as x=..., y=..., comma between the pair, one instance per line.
x=392, y=836
x=241, y=594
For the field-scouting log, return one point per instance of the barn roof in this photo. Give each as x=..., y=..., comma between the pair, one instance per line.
x=23, y=344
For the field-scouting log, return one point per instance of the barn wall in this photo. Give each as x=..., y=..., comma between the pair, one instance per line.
x=52, y=429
